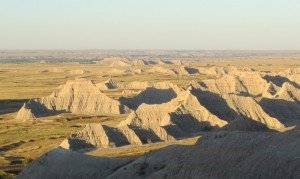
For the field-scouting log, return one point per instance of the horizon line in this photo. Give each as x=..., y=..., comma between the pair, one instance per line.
x=102, y=49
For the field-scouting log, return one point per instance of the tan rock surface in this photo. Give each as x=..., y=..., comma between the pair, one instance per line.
x=283, y=105
x=120, y=63
x=231, y=106
x=222, y=155
x=159, y=69
x=61, y=163
x=77, y=96
x=217, y=155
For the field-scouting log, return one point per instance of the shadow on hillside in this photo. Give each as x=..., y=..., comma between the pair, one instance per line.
x=215, y=104
x=188, y=123
x=191, y=70
x=284, y=111
x=11, y=105
x=116, y=136
x=149, y=96
x=40, y=110
x=246, y=125
x=146, y=136
x=212, y=153
x=279, y=80
x=219, y=107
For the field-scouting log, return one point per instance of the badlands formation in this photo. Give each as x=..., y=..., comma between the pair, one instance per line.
x=240, y=111
x=217, y=155
x=164, y=112
x=123, y=62
x=76, y=96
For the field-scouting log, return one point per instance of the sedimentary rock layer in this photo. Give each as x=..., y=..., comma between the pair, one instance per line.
x=77, y=96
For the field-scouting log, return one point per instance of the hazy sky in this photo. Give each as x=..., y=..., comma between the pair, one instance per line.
x=150, y=24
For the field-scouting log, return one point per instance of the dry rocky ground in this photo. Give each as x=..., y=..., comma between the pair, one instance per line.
x=231, y=121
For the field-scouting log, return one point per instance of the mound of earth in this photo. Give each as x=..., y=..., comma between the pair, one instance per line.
x=222, y=155
x=295, y=78
x=191, y=70
x=231, y=106
x=243, y=83
x=244, y=124
x=175, y=62
x=111, y=84
x=277, y=80
x=77, y=96
x=168, y=113
x=176, y=112
x=183, y=70
x=158, y=69
x=160, y=62
x=288, y=92
x=110, y=61
x=270, y=90
x=165, y=85
x=289, y=72
x=138, y=62
x=151, y=92
x=247, y=69
x=101, y=136
x=183, y=116
x=97, y=135
x=25, y=112
x=243, y=108
x=217, y=155
x=137, y=85
x=61, y=163
x=150, y=96
x=120, y=63
x=284, y=104
x=108, y=84
x=219, y=71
